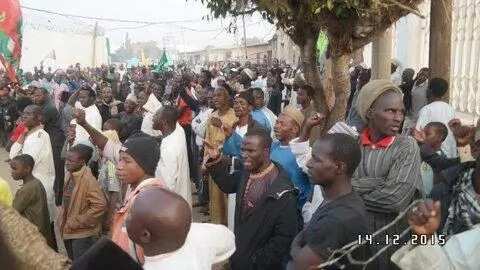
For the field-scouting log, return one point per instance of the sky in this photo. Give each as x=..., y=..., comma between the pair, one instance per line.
x=185, y=36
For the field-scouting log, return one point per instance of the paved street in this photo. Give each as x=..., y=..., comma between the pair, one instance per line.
x=5, y=174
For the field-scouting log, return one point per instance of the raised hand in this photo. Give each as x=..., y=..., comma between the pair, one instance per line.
x=424, y=218
x=80, y=116
x=463, y=134
x=308, y=124
x=419, y=135
x=216, y=122
x=314, y=120
x=212, y=152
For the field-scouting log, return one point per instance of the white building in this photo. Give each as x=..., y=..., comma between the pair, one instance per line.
x=60, y=42
x=411, y=47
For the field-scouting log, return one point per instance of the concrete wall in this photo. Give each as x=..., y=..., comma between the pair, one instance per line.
x=69, y=49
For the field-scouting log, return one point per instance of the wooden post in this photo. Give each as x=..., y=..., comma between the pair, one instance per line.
x=382, y=55
x=94, y=44
x=440, y=38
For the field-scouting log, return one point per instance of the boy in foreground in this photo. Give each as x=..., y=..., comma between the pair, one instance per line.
x=31, y=199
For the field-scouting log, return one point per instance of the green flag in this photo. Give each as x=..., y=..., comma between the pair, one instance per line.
x=162, y=63
x=322, y=43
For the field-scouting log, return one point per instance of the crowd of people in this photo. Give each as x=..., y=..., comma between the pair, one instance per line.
x=113, y=160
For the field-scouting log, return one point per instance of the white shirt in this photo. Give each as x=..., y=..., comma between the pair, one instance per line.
x=303, y=153
x=262, y=84
x=151, y=107
x=173, y=166
x=37, y=144
x=461, y=252
x=92, y=117
x=419, y=98
x=199, y=124
x=206, y=245
x=442, y=112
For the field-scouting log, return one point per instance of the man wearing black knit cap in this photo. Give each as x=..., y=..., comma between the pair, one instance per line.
x=136, y=161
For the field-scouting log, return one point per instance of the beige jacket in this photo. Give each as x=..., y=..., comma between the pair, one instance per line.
x=83, y=216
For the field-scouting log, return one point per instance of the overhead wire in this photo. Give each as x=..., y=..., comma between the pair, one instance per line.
x=108, y=19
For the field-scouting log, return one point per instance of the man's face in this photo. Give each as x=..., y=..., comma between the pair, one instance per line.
x=321, y=168
x=130, y=106
x=254, y=153
x=73, y=162
x=39, y=97
x=241, y=107
x=4, y=94
x=302, y=98
x=387, y=114
x=275, y=63
x=128, y=169
x=285, y=127
x=19, y=170
x=219, y=99
x=107, y=94
x=84, y=98
x=30, y=118
x=158, y=122
x=142, y=98
x=258, y=99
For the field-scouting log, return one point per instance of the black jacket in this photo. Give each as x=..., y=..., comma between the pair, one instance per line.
x=264, y=236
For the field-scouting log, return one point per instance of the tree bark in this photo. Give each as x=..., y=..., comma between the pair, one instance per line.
x=340, y=85
x=331, y=93
x=311, y=72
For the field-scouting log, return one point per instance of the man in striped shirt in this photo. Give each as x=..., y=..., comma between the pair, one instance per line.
x=388, y=177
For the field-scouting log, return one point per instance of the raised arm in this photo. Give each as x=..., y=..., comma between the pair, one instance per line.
x=223, y=169
x=96, y=136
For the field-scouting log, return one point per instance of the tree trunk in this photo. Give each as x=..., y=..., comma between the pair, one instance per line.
x=311, y=72
x=331, y=94
x=340, y=85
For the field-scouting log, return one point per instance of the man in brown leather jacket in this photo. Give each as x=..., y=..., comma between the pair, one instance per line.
x=84, y=203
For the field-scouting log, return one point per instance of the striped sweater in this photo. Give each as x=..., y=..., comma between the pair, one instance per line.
x=388, y=180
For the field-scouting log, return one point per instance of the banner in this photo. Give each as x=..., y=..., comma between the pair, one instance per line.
x=162, y=63
x=10, y=36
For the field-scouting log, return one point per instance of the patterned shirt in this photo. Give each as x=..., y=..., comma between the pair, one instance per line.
x=257, y=186
x=464, y=210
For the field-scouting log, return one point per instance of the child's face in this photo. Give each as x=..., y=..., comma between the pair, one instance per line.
x=19, y=170
x=432, y=138
x=73, y=162
x=128, y=169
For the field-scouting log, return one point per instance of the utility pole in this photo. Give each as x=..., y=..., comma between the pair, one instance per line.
x=244, y=36
x=94, y=44
x=382, y=55
x=440, y=38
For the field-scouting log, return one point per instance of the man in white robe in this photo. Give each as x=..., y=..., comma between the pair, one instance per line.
x=151, y=107
x=36, y=143
x=86, y=102
x=173, y=165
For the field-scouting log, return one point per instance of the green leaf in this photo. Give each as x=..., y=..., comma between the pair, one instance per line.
x=330, y=4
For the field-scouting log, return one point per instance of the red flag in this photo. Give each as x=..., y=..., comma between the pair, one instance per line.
x=10, y=36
